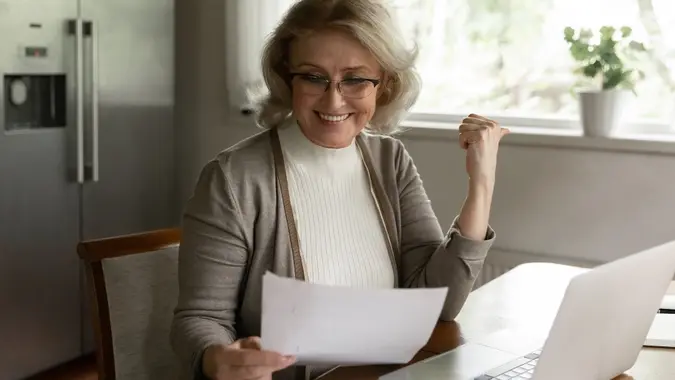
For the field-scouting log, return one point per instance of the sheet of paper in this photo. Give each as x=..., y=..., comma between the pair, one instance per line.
x=668, y=302
x=662, y=332
x=331, y=325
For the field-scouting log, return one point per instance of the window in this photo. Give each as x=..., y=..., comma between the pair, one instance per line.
x=508, y=58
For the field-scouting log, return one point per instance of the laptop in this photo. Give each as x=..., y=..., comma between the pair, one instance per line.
x=597, y=333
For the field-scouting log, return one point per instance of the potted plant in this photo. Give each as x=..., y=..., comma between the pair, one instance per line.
x=602, y=60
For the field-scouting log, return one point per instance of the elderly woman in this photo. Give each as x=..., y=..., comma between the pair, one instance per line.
x=323, y=195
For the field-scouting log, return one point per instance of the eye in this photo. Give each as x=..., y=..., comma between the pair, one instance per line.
x=312, y=78
x=354, y=81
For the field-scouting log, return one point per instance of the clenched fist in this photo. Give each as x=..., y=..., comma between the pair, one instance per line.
x=480, y=137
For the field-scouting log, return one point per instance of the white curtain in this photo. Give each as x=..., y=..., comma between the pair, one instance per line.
x=248, y=23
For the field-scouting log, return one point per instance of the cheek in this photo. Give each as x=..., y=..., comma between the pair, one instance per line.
x=302, y=104
x=365, y=107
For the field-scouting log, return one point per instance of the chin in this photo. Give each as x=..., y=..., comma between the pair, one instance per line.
x=335, y=132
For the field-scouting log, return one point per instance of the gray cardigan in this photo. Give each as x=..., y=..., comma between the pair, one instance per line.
x=235, y=228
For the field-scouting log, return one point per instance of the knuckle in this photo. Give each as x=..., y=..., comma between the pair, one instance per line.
x=243, y=372
x=251, y=371
x=224, y=373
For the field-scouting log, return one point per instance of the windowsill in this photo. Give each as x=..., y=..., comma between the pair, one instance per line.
x=551, y=138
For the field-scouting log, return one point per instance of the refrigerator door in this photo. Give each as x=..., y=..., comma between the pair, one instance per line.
x=129, y=117
x=40, y=321
x=129, y=99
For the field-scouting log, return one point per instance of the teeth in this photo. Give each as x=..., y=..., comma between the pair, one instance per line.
x=333, y=118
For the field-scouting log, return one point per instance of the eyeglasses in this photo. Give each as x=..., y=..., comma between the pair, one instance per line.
x=353, y=88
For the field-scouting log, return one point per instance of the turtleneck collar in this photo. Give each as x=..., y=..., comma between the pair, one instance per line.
x=299, y=148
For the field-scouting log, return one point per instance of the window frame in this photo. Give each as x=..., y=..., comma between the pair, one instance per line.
x=452, y=120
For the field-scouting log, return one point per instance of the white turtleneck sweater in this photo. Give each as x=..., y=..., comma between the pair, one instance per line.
x=342, y=241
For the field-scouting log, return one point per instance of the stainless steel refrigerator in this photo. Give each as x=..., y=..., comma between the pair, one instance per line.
x=86, y=151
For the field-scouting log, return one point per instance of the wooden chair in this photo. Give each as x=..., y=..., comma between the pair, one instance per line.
x=133, y=284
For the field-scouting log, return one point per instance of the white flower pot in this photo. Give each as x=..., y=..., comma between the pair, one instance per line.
x=602, y=112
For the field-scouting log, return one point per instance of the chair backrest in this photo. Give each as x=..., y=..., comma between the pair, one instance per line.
x=133, y=284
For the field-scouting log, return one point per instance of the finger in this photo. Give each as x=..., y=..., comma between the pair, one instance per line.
x=251, y=372
x=477, y=116
x=480, y=119
x=483, y=118
x=253, y=342
x=465, y=127
x=476, y=121
x=505, y=131
x=255, y=357
x=471, y=137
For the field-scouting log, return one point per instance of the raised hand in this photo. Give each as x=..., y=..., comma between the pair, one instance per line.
x=480, y=137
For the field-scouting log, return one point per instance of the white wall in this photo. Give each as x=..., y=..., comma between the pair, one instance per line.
x=561, y=201
x=553, y=201
x=204, y=125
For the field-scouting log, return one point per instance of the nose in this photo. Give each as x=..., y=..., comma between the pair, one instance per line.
x=332, y=98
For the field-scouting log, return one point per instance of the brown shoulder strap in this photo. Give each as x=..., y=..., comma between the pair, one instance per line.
x=282, y=180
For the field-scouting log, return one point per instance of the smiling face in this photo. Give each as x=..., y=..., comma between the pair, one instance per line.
x=332, y=118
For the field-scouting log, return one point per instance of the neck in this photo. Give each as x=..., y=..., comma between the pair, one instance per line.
x=321, y=145
x=299, y=148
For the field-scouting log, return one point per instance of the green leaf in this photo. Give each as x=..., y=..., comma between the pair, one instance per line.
x=637, y=46
x=569, y=34
x=592, y=69
x=607, y=32
x=614, y=77
x=611, y=59
x=626, y=31
x=585, y=34
x=580, y=51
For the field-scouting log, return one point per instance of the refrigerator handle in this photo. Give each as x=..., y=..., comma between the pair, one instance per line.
x=94, y=101
x=76, y=28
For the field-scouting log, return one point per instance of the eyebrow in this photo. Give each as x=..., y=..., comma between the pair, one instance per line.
x=346, y=69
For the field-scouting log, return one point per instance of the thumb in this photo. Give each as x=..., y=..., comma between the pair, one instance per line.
x=505, y=131
x=252, y=342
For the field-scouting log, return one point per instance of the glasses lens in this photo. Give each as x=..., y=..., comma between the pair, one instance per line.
x=356, y=89
x=310, y=85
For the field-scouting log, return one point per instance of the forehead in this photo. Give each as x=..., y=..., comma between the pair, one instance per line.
x=333, y=52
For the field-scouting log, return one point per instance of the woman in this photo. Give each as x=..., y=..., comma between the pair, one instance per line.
x=323, y=195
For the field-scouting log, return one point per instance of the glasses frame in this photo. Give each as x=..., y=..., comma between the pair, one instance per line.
x=338, y=83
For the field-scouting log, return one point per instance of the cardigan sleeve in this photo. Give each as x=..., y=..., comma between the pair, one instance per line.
x=212, y=259
x=430, y=258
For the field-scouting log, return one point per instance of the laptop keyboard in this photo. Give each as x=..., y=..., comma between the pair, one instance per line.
x=519, y=369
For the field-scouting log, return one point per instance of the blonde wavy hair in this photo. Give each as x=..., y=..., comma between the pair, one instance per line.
x=371, y=23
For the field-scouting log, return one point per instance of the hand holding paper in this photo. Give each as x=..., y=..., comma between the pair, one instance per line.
x=321, y=324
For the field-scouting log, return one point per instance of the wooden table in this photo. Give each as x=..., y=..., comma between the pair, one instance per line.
x=524, y=299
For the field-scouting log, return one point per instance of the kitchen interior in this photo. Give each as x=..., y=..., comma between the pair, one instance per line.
x=109, y=109
x=87, y=111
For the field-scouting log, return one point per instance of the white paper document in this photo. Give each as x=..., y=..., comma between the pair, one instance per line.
x=662, y=331
x=668, y=302
x=331, y=325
